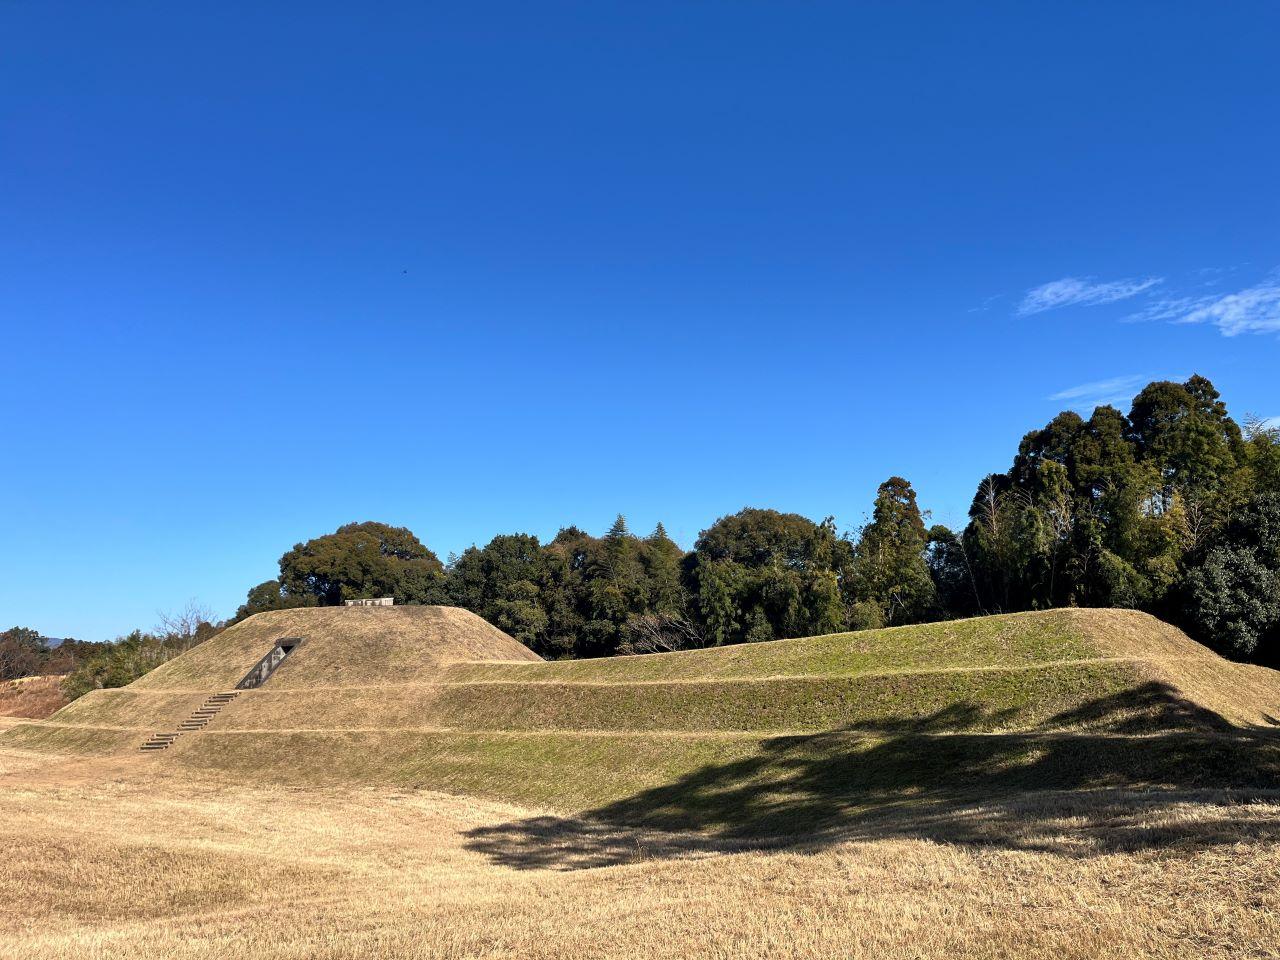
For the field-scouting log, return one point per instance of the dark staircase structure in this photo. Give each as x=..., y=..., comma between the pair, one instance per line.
x=213, y=705
x=198, y=720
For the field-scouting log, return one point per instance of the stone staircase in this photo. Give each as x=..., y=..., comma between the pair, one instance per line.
x=198, y=720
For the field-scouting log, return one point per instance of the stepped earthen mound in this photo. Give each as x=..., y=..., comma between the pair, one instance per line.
x=437, y=697
x=342, y=647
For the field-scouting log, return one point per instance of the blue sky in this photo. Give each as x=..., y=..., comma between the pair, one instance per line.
x=484, y=267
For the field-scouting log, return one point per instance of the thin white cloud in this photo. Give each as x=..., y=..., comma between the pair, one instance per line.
x=1098, y=393
x=1169, y=310
x=1087, y=291
x=1254, y=309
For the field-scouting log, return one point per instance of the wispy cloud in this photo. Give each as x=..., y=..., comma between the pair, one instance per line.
x=1115, y=391
x=1170, y=309
x=1086, y=291
x=1254, y=309
x=987, y=302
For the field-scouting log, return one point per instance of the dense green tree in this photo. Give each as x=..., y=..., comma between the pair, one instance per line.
x=626, y=591
x=1263, y=454
x=954, y=581
x=664, y=568
x=1078, y=520
x=579, y=595
x=1183, y=430
x=889, y=567
x=1147, y=511
x=990, y=544
x=361, y=560
x=1233, y=596
x=503, y=583
x=615, y=587
x=761, y=574
x=1233, y=600
x=563, y=591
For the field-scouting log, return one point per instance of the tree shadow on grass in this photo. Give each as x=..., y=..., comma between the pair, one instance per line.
x=1113, y=785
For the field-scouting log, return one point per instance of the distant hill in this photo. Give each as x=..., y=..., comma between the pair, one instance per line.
x=436, y=697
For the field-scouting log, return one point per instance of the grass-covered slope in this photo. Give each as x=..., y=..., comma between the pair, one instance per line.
x=30, y=698
x=342, y=646
x=349, y=648
x=437, y=697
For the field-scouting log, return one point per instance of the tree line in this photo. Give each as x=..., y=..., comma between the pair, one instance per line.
x=1173, y=508
x=25, y=653
x=86, y=665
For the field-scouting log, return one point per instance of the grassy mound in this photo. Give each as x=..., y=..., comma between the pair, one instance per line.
x=342, y=646
x=811, y=728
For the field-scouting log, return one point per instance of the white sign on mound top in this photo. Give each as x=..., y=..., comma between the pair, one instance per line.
x=374, y=602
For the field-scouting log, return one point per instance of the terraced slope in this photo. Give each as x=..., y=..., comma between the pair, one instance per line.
x=438, y=698
x=345, y=649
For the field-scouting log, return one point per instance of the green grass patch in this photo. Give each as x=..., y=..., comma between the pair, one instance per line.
x=960, y=700
x=1011, y=640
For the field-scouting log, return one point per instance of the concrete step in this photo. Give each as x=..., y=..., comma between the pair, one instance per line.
x=196, y=722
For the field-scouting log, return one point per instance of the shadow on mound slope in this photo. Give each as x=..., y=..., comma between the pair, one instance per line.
x=1087, y=791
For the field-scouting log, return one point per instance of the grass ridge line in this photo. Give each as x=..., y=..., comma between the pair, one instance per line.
x=673, y=681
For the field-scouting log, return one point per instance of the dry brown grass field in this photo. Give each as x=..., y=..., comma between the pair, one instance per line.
x=30, y=698
x=105, y=861
x=1074, y=785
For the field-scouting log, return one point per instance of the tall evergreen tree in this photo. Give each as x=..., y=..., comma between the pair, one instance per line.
x=889, y=566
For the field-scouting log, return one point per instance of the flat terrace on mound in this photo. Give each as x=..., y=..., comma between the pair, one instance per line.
x=437, y=697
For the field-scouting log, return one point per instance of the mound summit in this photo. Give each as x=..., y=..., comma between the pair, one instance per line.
x=436, y=697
